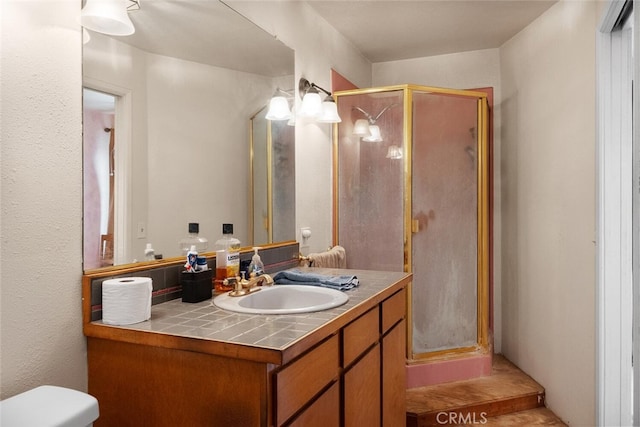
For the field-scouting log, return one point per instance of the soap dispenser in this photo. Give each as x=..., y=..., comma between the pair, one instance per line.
x=256, y=268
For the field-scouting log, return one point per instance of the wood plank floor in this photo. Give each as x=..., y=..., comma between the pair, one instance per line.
x=508, y=397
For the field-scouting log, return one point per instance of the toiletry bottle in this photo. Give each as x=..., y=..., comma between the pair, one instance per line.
x=256, y=268
x=192, y=259
x=231, y=257
x=193, y=239
x=201, y=262
x=149, y=253
x=221, y=272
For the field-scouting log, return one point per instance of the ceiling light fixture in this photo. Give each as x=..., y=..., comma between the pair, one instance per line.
x=313, y=106
x=109, y=16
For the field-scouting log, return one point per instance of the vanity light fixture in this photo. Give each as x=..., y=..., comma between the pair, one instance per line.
x=394, y=152
x=329, y=111
x=86, y=37
x=292, y=119
x=279, y=106
x=361, y=127
x=109, y=16
x=375, y=135
x=367, y=128
x=313, y=107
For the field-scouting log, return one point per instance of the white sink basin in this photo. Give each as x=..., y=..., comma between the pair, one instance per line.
x=283, y=299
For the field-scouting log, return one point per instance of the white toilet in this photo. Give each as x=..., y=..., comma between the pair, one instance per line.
x=49, y=406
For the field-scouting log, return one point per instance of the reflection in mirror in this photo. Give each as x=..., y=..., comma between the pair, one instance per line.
x=273, y=178
x=184, y=86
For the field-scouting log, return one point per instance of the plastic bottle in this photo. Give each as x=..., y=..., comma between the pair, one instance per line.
x=256, y=267
x=193, y=239
x=149, y=253
x=227, y=258
x=192, y=259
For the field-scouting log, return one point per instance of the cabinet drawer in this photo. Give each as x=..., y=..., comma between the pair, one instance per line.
x=298, y=382
x=393, y=309
x=360, y=335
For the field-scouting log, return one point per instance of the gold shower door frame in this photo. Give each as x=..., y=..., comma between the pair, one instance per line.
x=269, y=161
x=483, y=256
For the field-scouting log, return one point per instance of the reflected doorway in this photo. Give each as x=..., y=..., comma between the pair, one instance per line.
x=98, y=178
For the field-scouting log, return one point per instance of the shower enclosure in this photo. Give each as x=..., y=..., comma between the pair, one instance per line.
x=411, y=194
x=272, y=180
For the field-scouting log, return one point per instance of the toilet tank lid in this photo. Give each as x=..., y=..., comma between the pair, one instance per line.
x=49, y=406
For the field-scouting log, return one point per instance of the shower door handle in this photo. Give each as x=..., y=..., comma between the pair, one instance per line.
x=415, y=225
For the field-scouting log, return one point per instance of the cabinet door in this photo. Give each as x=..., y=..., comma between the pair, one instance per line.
x=324, y=412
x=362, y=391
x=394, y=377
x=298, y=382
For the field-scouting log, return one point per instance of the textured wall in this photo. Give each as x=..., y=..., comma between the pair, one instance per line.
x=548, y=198
x=41, y=210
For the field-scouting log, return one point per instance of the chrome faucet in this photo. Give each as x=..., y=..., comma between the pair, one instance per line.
x=245, y=287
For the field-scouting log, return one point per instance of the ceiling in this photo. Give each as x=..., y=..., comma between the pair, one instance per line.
x=210, y=32
x=389, y=30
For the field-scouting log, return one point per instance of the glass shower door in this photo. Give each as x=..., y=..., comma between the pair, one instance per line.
x=444, y=221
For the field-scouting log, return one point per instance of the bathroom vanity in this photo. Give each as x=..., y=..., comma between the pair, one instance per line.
x=198, y=365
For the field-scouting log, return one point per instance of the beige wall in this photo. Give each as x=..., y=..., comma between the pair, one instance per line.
x=41, y=197
x=544, y=123
x=319, y=48
x=548, y=206
x=546, y=167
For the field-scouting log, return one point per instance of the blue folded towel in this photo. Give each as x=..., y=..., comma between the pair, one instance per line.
x=298, y=277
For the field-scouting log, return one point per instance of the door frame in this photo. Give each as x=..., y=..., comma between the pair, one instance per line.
x=122, y=239
x=616, y=205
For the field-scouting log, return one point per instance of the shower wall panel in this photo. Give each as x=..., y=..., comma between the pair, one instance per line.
x=370, y=218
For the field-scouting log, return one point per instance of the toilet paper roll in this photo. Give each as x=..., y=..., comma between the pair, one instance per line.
x=126, y=300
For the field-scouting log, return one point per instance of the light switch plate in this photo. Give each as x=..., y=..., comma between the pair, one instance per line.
x=141, y=232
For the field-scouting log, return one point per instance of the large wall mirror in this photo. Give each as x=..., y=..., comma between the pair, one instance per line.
x=166, y=135
x=273, y=178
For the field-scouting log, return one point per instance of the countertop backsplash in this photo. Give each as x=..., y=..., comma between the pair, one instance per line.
x=166, y=279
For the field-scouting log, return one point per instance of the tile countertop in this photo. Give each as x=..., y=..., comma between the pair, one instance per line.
x=205, y=321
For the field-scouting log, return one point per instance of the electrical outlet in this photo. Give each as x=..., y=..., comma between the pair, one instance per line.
x=141, y=232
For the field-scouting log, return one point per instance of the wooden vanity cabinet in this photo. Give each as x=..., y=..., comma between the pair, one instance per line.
x=369, y=386
x=394, y=343
x=370, y=399
x=298, y=383
x=354, y=376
